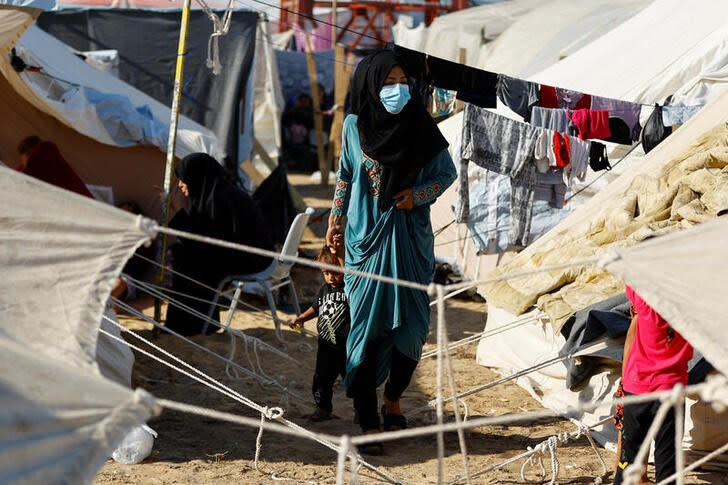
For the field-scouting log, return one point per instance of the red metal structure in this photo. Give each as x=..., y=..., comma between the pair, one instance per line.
x=368, y=17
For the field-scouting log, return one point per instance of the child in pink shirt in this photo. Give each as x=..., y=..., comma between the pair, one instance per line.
x=656, y=359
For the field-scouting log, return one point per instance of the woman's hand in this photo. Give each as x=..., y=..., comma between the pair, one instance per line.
x=407, y=202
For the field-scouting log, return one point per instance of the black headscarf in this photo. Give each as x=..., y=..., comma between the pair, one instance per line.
x=218, y=208
x=402, y=143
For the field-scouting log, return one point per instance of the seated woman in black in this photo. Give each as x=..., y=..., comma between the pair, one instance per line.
x=219, y=209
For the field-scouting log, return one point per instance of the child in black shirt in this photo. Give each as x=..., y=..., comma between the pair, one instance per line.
x=332, y=308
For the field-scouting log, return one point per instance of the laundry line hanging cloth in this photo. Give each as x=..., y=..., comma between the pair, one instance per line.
x=506, y=147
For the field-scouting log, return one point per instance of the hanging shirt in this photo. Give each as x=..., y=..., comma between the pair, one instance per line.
x=563, y=98
x=678, y=114
x=543, y=151
x=628, y=112
x=659, y=356
x=550, y=187
x=332, y=307
x=579, y=156
x=503, y=146
x=519, y=95
x=554, y=119
x=590, y=123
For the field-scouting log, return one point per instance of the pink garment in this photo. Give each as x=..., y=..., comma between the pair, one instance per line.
x=320, y=37
x=659, y=356
x=591, y=123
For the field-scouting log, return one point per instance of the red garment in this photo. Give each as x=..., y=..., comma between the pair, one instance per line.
x=562, y=149
x=563, y=98
x=47, y=164
x=659, y=356
x=591, y=123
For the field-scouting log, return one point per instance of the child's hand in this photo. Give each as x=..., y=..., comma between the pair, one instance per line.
x=295, y=324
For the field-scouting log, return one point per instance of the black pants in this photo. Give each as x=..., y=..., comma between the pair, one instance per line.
x=330, y=364
x=637, y=421
x=364, y=387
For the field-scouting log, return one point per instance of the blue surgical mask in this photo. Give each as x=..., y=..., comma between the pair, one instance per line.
x=394, y=97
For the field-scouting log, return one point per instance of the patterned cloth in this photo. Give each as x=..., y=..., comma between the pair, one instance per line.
x=503, y=146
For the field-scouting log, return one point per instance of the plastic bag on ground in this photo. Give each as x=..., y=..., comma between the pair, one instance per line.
x=135, y=446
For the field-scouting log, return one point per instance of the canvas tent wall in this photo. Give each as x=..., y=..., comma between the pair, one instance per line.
x=551, y=32
x=147, y=44
x=60, y=253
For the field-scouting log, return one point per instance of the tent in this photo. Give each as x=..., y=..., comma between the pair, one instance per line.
x=551, y=32
x=678, y=185
x=134, y=171
x=146, y=41
x=60, y=254
x=691, y=59
x=466, y=29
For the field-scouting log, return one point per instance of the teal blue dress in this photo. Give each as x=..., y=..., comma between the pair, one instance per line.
x=392, y=243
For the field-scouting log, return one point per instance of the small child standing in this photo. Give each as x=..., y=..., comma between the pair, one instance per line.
x=332, y=308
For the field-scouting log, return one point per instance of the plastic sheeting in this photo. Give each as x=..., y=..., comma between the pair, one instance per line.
x=60, y=253
x=683, y=276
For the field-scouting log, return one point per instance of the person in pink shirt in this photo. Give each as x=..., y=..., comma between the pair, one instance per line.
x=655, y=359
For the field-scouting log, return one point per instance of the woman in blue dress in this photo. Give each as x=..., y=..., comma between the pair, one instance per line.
x=394, y=163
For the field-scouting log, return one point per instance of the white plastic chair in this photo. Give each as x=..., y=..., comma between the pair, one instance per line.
x=274, y=277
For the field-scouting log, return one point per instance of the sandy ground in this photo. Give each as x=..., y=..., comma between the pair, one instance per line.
x=198, y=450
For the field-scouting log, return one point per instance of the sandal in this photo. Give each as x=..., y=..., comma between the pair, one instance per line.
x=393, y=422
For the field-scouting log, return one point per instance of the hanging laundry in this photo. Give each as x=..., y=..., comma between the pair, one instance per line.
x=655, y=130
x=473, y=85
x=620, y=132
x=489, y=221
x=503, y=146
x=590, y=123
x=551, y=118
x=678, y=114
x=443, y=102
x=579, y=156
x=598, y=159
x=519, y=95
x=628, y=112
x=543, y=151
x=563, y=98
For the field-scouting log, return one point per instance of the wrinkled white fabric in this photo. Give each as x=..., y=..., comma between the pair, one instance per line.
x=59, y=253
x=683, y=276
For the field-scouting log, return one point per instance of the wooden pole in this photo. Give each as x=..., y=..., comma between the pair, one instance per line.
x=342, y=77
x=317, y=116
x=171, y=143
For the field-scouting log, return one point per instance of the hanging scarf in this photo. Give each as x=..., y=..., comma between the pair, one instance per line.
x=402, y=143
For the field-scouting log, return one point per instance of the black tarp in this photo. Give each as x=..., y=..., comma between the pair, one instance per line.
x=274, y=199
x=147, y=44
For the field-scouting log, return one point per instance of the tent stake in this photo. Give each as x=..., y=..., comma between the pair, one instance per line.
x=171, y=142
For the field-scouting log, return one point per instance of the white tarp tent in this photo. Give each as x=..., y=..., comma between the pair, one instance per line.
x=551, y=32
x=466, y=29
x=692, y=58
x=60, y=253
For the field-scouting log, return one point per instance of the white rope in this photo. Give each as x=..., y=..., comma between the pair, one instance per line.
x=327, y=441
x=679, y=431
x=229, y=363
x=451, y=380
x=219, y=29
x=518, y=322
x=714, y=454
x=430, y=289
x=439, y=402
x=341, y=461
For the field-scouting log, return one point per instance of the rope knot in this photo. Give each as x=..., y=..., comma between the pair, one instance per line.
x=272, y=413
